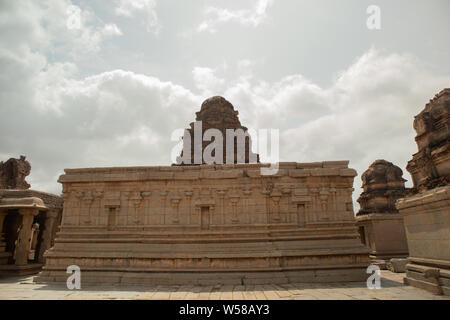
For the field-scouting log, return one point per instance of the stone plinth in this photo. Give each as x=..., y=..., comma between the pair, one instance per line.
x=380, y=224
x=208, y=224
x=384, y=234
x=427, y=223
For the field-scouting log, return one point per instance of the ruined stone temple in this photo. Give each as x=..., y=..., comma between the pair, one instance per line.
x=209, y=224
x=380, y=224
x=426, y=209
x=217, y=113
x=28, y=220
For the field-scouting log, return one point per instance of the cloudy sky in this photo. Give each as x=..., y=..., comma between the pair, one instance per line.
x=105, y=83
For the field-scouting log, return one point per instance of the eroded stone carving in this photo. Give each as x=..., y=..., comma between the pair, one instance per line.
x=13, y=173
x=430, y=167
x=426, y=210
x=217, y=113
x=383, y=184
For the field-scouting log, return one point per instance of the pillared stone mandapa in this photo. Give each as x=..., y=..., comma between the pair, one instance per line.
x=24, y=220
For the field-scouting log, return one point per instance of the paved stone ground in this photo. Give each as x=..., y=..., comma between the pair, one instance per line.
x=19, y=288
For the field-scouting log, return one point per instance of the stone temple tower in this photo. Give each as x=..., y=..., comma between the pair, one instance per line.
x=380, y=225
x=426, y=210
x=217, y=113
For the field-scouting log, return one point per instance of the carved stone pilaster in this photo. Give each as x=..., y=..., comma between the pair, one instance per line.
x=275, y=196
x=175, y=200
x=189, y=194
x=234, y=199
x=3, y=214
x=136, y=201
x=221, y=194
x=88, y=200
x=51, y=219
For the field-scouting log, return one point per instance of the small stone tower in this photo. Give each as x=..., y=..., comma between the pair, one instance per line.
x=383, y=184
x=380, y=225
x=217, y=113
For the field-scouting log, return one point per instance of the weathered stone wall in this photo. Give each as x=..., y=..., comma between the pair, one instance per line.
x=426, y=211
x=209, y=224
x=427, y=224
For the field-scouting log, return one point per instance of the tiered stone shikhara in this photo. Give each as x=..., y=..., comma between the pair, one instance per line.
x=426, y=211
x=380, y=224
x=209, y=224
x=218, y=113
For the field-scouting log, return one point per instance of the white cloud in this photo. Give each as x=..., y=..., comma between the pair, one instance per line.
x=247, y=17
x=111, y=30
x=60, y=119
x=206, y=80
x=56, y=28
x=146, y=9
x=366, y=113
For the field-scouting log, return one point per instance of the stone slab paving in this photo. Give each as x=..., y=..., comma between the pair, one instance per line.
x=392, y=288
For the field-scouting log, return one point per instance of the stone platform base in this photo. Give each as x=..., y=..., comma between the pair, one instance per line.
x=205, y=258
x=430, y=275
x=210, y=278
x=13, y=270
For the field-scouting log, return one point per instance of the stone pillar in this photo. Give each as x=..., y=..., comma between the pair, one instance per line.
x=51, y=219
x=23, y=240
x=3, y=214
x=3, y=254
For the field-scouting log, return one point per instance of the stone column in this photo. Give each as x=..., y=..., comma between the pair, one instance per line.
x=23, y=240
x=3, y=255
x=3, y=214
x=46, y=242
